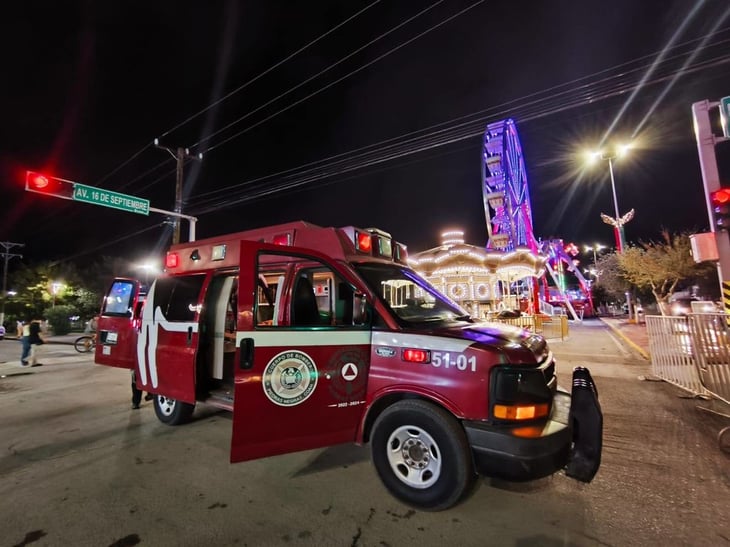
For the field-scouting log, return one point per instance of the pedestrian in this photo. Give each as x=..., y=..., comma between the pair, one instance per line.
x=137, y=393
x=24, y=335
x=36, y=341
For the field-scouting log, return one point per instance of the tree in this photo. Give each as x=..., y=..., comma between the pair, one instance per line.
x=612, y=284
x=661, y=266
x=58, y=318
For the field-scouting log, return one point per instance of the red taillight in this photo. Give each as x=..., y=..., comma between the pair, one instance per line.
x=171, y=260
x=282, y=239
x=417, y=355
x=364, y=242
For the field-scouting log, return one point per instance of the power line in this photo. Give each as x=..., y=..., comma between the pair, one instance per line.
x=318, y=74
x=586, y=89
x=265, y=72
x=313, y=77
x=338, y=80
x=465, y=133
x=107, y=244
x=239, y=89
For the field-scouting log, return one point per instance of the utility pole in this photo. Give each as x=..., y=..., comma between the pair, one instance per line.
x=180, y=155
x=7, y=255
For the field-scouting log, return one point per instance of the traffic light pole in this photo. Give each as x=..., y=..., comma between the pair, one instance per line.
x=706, y=142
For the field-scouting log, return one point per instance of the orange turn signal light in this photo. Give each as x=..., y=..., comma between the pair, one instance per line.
x=521, y=412
x=528, y=432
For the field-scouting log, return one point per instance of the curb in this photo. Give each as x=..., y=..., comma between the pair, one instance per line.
x=645, y=354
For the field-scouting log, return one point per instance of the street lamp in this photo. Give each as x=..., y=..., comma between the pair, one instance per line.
x=596, y=248
x=148, y=268
x=56, y=287
x=618, y=221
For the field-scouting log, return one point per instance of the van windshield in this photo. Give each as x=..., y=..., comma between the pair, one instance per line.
x=411, y=298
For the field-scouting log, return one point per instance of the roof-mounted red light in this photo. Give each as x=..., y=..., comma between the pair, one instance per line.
x=417, y=355
x=363, y=242
x=172, y=260
x=282, y=239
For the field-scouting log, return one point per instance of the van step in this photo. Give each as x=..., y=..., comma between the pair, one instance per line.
x=220, y=398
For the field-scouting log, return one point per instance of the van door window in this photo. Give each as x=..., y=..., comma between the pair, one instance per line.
x=177, y=297
x=118, y=302
x=319, y=295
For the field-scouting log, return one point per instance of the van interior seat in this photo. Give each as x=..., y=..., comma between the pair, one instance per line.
x=305, y=311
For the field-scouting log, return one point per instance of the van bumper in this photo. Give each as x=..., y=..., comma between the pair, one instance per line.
x=571, y=439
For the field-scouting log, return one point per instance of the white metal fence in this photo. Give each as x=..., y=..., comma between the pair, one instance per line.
x=692, y=352
x=711, y=335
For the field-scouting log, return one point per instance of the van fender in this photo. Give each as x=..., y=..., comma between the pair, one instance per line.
x=383, y=398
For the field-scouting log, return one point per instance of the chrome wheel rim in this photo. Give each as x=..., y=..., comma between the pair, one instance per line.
x=414, y=456
x=166, y=406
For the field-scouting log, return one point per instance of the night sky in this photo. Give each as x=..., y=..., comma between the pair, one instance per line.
x=87, y=87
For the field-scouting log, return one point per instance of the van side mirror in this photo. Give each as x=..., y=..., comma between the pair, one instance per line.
x=359, y=309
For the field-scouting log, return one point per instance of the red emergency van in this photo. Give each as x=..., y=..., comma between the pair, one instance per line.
x=316, y=336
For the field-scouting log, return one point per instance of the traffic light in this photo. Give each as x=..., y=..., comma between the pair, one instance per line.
x=52, y=186
x=720, y=200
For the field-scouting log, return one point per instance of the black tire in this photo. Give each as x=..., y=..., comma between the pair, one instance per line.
x=172, y=412
x=422, y=455
x=84, y=344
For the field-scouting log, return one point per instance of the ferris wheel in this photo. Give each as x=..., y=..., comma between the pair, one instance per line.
x=504, y=188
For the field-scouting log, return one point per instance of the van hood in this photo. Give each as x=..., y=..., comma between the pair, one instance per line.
x=518, y=345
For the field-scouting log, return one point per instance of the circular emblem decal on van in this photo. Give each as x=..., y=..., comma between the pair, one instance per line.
x=290, y=378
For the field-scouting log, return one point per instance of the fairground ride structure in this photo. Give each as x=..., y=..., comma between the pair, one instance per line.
x=507, y=207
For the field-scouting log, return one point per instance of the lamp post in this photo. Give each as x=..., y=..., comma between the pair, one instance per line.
x=596, y=248
x=618, y=221
x=55, y=288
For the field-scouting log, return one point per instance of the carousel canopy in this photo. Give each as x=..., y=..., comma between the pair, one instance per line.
x=459, y=258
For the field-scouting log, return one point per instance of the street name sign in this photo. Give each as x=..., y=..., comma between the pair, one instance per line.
x=107, y=198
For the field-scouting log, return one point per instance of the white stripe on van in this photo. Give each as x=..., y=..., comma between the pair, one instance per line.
x=291, y=338
x=285, y=338
x=420, y=341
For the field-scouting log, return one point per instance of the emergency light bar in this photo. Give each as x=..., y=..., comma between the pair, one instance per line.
x=282, y=239
x=363, y=243
x=375, y=242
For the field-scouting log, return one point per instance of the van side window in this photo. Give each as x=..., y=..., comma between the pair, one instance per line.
x=178, y=297
x=118, y=301
x=319, y=297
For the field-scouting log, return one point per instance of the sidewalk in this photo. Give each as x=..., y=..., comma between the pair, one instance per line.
x=633, y=334
x=67, y=339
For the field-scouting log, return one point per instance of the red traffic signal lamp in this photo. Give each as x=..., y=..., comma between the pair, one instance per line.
x=52, y=186
x=720, y=201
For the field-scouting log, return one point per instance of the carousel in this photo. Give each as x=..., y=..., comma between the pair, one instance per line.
x=482, y=281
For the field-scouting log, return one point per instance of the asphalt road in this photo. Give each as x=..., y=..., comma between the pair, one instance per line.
x=79, y=467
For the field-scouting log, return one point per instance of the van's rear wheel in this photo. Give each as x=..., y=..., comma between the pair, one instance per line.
x=172, y=412
x=422, y=456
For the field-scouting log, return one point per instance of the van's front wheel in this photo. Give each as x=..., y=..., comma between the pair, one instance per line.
x=422, y=456
x=172, y=412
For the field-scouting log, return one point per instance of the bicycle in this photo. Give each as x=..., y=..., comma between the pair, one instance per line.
x=85, y=343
